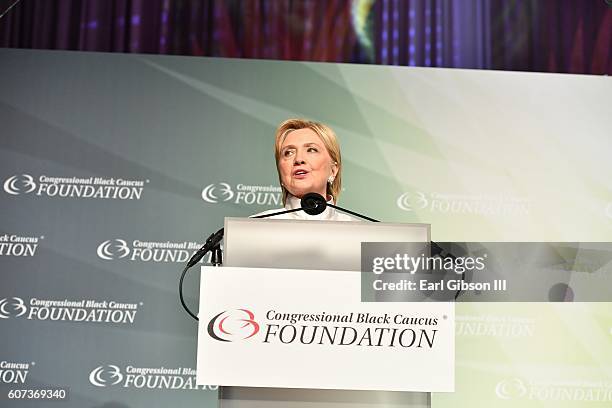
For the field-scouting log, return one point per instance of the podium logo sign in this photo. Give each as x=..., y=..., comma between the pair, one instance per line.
x=242, y=194
x=479, y=204
x=91, y=311
x=235, y=325
x=180, y=378
x=297, y=321
x=346, y=329
x=75, y=187
x=147, y=251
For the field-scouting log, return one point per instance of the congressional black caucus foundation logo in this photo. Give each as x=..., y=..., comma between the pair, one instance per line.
x=408, y=201
x=15, y=372
x=146, y=251
x=512, y=388
x=477, y=204
x=12, y=307
x=18, y=184
x=233, y=325
x=242, y=194
x=322, y=328
x=113, y=249
x=582, y=391
x=494, y=326
x=85, y=310
x=103, y=376
x=19, y=245
x=178, y=378
x=213, y=193
x=75, y=187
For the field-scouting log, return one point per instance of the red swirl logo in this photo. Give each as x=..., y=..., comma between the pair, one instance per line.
x=233, y=325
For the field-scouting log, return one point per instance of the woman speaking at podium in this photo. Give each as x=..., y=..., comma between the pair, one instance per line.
x=308, y=160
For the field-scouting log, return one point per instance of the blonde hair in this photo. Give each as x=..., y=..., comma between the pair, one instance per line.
x=330, y=142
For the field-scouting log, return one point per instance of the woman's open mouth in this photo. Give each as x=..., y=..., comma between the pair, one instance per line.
x=300, y=174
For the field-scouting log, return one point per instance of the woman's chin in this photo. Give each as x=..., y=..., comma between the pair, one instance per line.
x=299, y=193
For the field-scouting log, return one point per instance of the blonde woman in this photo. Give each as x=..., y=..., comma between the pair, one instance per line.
x=308, y=160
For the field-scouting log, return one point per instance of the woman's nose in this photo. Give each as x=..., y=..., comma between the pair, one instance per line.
x=298, y=159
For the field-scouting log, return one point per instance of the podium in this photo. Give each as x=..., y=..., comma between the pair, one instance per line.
x=280, y=322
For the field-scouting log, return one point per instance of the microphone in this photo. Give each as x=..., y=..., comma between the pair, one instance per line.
x=212, y=241
x=313, y=203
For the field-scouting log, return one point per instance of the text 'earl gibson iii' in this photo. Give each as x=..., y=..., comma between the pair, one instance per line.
x=499, y=285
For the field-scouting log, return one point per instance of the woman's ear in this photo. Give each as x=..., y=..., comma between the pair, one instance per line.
x=334, y=169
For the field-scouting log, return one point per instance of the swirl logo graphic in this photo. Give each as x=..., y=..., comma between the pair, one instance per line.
x=210, y=194
x=15, y=307
x=102, y=376
x=16, y=185
x=403, y=201
x=236, y=325
x=510, y=389
x=112, y=248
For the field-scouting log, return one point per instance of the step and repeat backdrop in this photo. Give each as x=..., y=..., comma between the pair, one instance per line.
x=114, y=168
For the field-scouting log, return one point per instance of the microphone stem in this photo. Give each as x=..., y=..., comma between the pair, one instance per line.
x=352, y=213
x=277, y=213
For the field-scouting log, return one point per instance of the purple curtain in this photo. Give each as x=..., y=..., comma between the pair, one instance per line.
x=527, y=35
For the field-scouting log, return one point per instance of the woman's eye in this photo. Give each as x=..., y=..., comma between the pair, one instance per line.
x=312, y=149
x=288, y=153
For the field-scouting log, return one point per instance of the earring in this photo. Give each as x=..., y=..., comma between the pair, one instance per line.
x=330, y=179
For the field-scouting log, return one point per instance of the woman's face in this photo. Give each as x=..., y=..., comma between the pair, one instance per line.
x=305, y=164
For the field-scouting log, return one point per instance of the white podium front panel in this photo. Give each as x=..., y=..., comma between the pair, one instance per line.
x=299, y=244
x=308, y=329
